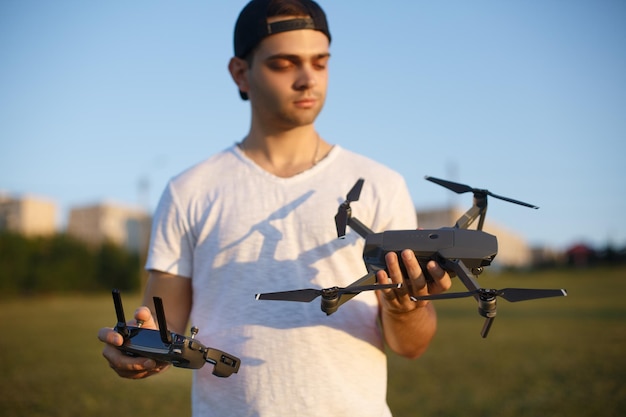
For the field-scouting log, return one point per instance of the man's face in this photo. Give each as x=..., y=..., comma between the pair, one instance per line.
x=288, y=78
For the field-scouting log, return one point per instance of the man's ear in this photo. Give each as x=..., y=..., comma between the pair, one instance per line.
x=238, y=69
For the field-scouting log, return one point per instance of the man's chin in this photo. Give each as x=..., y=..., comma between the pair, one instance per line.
x=301, y=117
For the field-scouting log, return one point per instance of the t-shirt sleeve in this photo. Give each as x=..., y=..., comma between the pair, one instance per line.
x=171, y=238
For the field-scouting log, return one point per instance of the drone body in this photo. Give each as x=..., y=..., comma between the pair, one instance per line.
x=474, y=248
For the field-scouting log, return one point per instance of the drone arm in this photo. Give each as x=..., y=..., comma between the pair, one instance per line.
x=368, y=279
x=466, y=220
x=359, y=227
x=470, y=283
x=481, y=220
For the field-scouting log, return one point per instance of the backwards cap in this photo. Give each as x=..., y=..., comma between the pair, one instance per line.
x=252, y=27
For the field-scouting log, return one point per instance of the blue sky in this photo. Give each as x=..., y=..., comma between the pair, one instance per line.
x=527, y=99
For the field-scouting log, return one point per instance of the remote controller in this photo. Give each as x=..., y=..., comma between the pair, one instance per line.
x=165, y=346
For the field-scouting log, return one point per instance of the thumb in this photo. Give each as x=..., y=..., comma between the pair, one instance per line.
x=143, y=317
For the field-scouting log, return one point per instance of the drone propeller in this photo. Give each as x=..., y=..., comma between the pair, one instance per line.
x=310, y=294
x=510, y=294
x=344, y=213
x=331, y=297
x=487, y=300
x=461, y=188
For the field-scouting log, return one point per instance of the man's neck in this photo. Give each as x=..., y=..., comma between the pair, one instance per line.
x=285, y=153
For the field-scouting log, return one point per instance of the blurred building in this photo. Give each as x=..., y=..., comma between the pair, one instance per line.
x=513, y=251
x=543, y=256
x=28, y=215
x=109, y=222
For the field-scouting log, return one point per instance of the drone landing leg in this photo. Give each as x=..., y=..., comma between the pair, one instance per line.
x=486, y=327
x=486, y=306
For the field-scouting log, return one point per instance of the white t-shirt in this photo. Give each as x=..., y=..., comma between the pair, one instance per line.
x=236, y=230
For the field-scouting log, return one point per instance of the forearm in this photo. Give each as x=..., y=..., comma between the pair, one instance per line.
x=409, y=333
x=175, y=292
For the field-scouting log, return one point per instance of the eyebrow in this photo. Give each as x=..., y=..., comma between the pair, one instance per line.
x=295, y=57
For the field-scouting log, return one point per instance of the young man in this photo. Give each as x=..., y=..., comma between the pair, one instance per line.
x=259, y=217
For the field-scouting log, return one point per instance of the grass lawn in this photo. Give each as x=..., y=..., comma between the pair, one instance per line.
x=52, y=365
x=550, y=357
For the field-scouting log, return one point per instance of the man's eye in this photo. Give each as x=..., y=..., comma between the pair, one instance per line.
x=280, y=64
x=321, y=64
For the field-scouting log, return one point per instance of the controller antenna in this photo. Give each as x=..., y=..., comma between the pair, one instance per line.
x=166, y=337
x=119, y=311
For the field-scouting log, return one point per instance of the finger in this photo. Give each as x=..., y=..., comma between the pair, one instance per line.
x=441, y=279
x=387, y=293
x=142, y=374
x=119, y=361
x=139, y=373
x=142, y=369
x=393, y=268
x=143, y=316
x=397, y=297
x=415, y=279
x=129, y=366
x=110, y=336
x=392, y=275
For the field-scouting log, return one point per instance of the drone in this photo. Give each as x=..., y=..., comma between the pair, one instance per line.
x=461, y=251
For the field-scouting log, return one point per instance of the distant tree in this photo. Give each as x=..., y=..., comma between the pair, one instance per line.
x=15, y=255
x=117, y=268
x=612, y=254
x=31, y=265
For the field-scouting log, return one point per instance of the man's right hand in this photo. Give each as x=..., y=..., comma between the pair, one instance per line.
x=128, y=366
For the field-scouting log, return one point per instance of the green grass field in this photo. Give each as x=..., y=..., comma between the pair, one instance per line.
x=551, y=357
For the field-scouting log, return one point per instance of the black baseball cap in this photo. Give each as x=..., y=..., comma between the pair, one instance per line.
x=252, y=27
